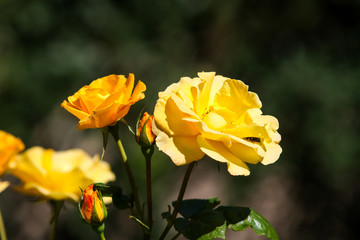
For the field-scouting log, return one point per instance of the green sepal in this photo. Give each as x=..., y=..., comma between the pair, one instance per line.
x=105, y=189
x=143, y=138
x=147, y=151
x=99, y=229
x=95, y=221
x=127, y=125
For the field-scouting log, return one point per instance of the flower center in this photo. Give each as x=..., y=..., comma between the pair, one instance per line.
x=214, y=120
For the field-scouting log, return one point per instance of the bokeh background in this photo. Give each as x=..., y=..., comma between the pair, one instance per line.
x=300, y=56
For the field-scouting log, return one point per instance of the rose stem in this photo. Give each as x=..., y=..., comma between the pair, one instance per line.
x=179, y=200
x=114, y=132
x=102, y=236
x=148, y=154
x=56, y=207
x=2, y=228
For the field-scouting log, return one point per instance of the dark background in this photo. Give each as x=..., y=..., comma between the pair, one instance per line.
x=300, y=56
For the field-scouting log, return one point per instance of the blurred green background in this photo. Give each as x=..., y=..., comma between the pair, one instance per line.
x=300, y=56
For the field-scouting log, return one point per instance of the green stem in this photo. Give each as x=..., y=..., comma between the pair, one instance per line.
x=114, y=132
x=178, y=201
x=105, y=133
x=147, y=152
x=148, y=192
x=2, y=228
x=56, y=207
x=102, y=236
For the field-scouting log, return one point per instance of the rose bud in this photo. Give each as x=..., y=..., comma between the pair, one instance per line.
x=144, y=134
x=92, y=207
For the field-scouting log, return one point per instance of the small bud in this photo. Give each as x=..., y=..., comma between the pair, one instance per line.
x=144, y=134
x=92, y=207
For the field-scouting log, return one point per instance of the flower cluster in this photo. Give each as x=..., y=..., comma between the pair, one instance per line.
x=207, y=115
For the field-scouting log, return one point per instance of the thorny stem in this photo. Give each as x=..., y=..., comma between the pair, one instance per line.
x=178, y=201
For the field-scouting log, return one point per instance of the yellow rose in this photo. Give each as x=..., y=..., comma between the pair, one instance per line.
x=105, y=101
x=9, y=147
x=216, y=116
x=58, y=175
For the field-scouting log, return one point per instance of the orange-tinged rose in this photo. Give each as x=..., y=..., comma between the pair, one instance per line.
x=144, y=134
x=58, y=175
x=105, y=101
x=215, y=116
x=9, y=147
x=92, y=207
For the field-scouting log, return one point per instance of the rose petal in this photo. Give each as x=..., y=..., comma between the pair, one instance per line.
x=170, y=119
x=76, y=112
x=181, y=150
x=211, y=85
x=246, y=153
x=272, y=154
x=234, y=95
x=138, y=92
x=219, y=152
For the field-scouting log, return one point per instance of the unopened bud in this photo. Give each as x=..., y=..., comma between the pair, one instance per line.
x=144, y=134
x=92, y=207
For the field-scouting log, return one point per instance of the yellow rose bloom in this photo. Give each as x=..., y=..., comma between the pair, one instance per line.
x=59, y=175
x=216, y=116
x=9, y=147
x=105, y=101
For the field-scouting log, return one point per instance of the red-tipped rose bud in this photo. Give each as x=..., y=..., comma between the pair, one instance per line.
x=144, y=134
x=92, y=207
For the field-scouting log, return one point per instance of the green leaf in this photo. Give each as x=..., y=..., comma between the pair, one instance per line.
x=206, y=224
x=219, y=232
x=122, y=201
x=141, y=223
x=106, y=189
x=166, y=215
x=191, y=207
x=191, y=229
x=202, y=222
x=254, y=220
x=234, y=215
x=210, y=217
